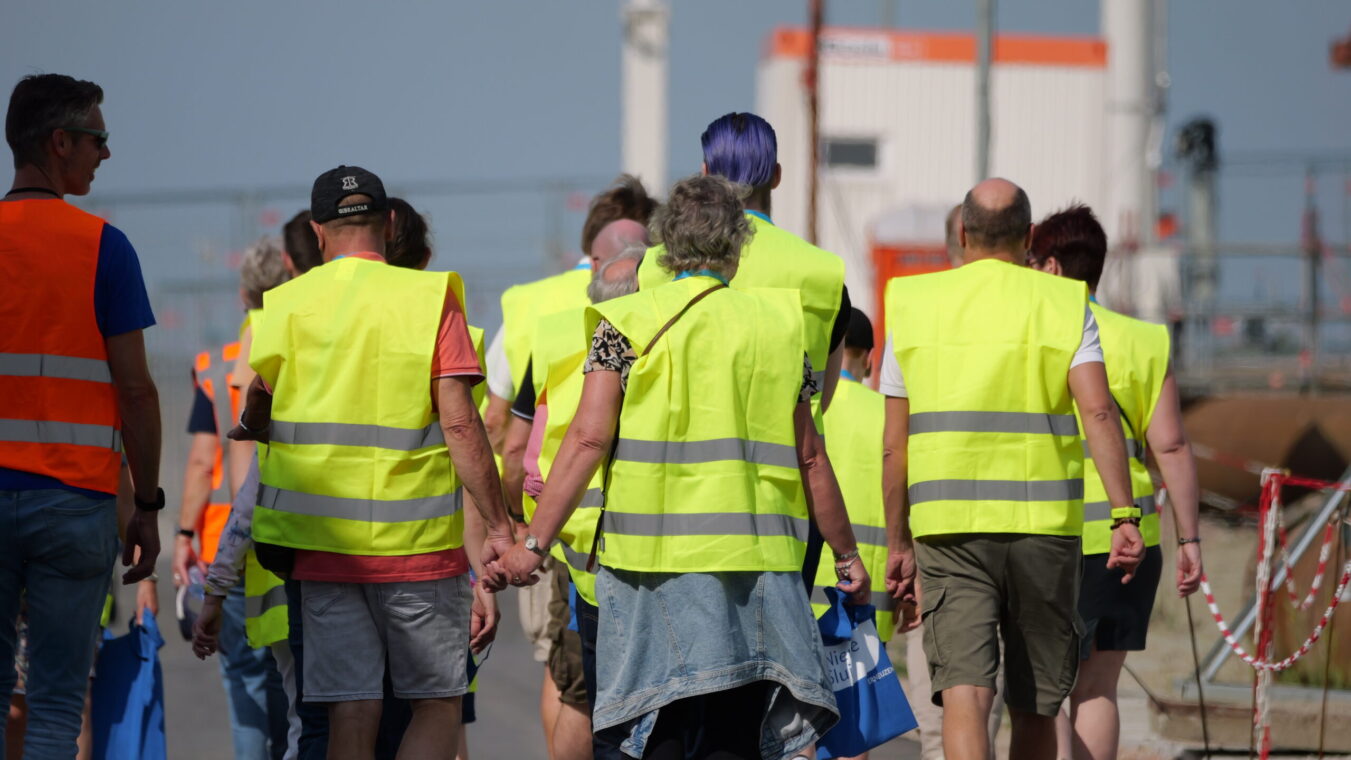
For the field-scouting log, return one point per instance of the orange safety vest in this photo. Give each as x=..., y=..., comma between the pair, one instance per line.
x=214, y=378
x=58, y=407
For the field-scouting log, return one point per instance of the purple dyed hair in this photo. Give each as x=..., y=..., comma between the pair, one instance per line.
x=741, y=147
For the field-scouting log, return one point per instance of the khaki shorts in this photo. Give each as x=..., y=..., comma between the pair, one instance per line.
x=565, y=650
x=533, y=603
x=977, y=585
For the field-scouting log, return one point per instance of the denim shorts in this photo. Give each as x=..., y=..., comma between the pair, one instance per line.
x=421, y=628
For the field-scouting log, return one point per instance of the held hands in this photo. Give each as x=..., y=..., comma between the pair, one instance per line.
x=1188, y=569
x=1128, y=548
x=483, y=619
x=519, y=566
x=147, y=600
x=901, y=574
x=494, y=548
x=207, y=628
x=185, y=557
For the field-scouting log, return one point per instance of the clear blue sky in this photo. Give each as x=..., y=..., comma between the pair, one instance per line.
x=208, y=95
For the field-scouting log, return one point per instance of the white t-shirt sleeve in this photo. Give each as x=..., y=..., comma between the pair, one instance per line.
x=890, y=382
x=1090, y=349
x=499, y=372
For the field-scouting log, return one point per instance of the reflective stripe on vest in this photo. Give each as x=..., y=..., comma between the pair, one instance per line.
x=726, y=494
x=523, y=306
x=353, y=465
x=993, y=444
x=58, y=407
x=52, y=365
x=854, y=445
x=255, y=606
x=1136, y=356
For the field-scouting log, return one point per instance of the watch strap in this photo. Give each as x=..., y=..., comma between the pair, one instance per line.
x=151, y=506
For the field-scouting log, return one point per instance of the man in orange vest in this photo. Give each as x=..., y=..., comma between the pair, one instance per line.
x=75, y=395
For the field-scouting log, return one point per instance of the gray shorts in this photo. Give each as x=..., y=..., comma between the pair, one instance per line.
x=420, y=628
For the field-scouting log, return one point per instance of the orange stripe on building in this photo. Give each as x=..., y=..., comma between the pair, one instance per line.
x=861, y=44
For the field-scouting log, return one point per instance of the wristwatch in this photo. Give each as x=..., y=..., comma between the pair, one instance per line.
x=533, y=545
x=151, y=506
x=187, y=533
x=1118, y=522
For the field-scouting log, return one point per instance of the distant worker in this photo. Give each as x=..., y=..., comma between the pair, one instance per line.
x=691, y=372
x=983, y=473
x=541, y=416
x=254, y=604
x=509, y=373
x=1072, y=244
x=742, y=148
x=372, y=523
x=75, y=396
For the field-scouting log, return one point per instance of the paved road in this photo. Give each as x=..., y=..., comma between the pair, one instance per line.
x=198, y=724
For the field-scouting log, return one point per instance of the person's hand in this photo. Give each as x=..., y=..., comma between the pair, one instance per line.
x=147, y=600
x=1188, y=569
x=239, y=433
x=1128, y=548
x=901, y=573
x=142, y=546
x=185, y=557
x=494, y=547
x=519, y=566
x=855, y=581
x=206, y=630
x=483, y=618
x=520, y=530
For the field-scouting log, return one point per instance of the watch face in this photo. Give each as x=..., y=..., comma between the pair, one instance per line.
x=531, y=543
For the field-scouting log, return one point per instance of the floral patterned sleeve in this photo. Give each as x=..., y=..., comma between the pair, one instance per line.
x=809, y=386
x=612, y=352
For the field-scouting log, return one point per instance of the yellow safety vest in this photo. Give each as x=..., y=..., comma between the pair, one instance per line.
x=524, y=305
x=357, y=462
x=854, y=443
x=265, y=611
x=1137, y=362
x=705, y=472
x=560, y=351
x=776, y=258
x=985, y=352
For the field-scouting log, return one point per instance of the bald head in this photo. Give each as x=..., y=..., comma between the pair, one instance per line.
x=996, y=221
x=614, y=238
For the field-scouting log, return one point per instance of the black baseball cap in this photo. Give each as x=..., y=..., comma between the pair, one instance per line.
x=335, y=184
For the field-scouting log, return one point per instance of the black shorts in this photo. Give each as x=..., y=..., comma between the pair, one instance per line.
x=1116, y=616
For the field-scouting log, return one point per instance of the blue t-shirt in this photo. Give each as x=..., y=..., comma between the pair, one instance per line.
x=120, y=306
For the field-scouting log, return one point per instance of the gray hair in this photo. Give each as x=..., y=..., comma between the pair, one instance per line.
x=1000, y=227
x=603, y=288
x=263, y=269
x=702, y=225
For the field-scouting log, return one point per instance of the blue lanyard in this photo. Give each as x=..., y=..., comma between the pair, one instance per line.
x=1094, y=299
x=701, y=273
x=760, y=215
x=583, y=264
x=847, y=375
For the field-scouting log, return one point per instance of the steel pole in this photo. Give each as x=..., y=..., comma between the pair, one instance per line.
x=984, y=54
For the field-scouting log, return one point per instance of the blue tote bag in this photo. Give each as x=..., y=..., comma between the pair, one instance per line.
x=128, y=695
x=873, y=707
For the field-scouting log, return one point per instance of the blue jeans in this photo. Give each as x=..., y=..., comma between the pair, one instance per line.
x=245, y=672
x=57, y=549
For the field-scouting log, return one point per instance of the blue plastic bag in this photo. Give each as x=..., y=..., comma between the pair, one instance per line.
x=873, y=707
x=128, y=695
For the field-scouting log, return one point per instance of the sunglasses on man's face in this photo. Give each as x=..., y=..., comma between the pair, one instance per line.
x=100, y=136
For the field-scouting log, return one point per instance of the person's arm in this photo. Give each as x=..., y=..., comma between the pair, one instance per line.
x=241, y=453
x=473, y=459
x=585, y=446
x=138, y=406
x=257, y=416
x=1107, y=444
x=1173, y=453
x=483, y=612
x=834, y=363
x=196, y=494
x=823, y=490
x=513, y=464
x=901, y=581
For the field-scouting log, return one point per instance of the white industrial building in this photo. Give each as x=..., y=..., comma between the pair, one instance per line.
x=898, y=132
